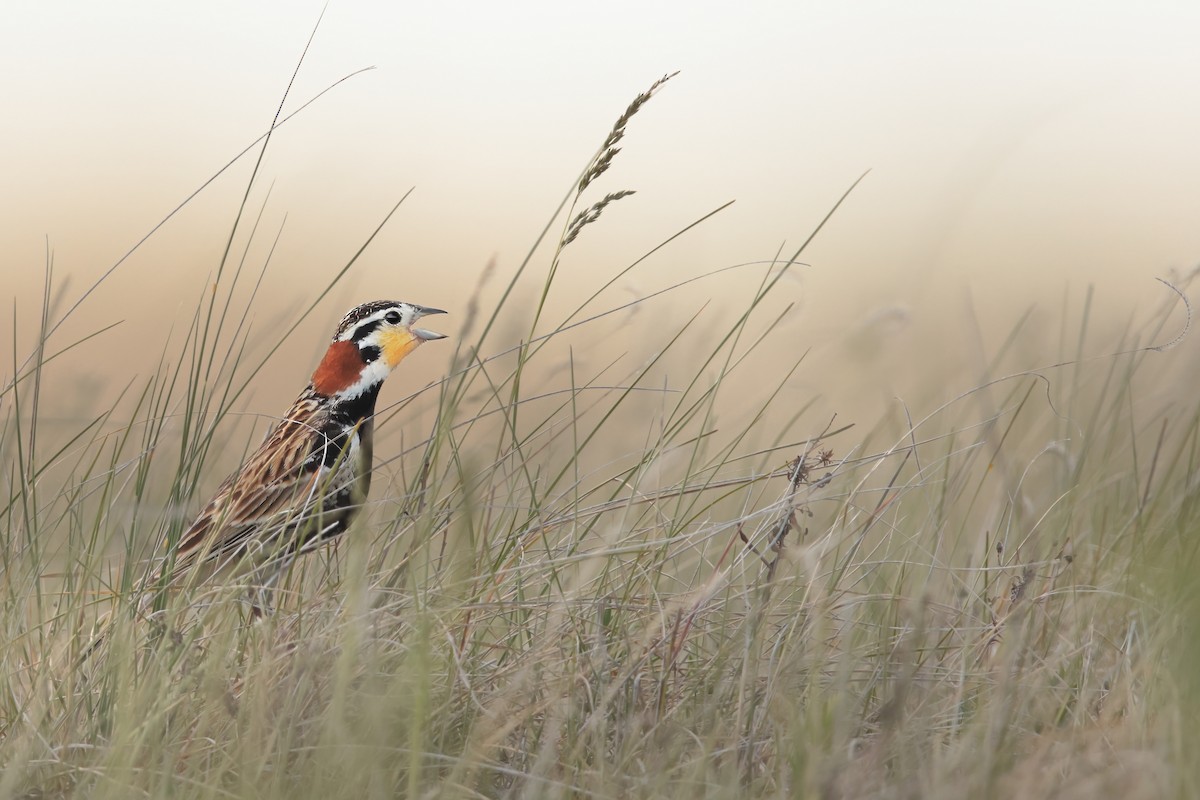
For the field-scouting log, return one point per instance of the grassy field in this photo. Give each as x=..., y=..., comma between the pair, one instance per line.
x=654, y=577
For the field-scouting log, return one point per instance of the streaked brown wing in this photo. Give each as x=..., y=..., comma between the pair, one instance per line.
x=277, y=482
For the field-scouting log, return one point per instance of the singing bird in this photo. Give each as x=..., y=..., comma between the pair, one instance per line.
x=310, y=477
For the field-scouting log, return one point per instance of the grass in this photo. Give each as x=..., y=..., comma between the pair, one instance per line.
x=586, y=578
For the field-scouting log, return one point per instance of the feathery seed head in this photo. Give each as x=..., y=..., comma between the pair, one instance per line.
x=608, y=151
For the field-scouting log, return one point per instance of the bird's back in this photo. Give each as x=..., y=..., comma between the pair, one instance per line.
x=303, y=484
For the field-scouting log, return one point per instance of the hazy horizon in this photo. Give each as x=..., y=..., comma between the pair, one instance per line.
x=1014, y=159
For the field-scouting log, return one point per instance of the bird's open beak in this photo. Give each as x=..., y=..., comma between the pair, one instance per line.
x=422, y=334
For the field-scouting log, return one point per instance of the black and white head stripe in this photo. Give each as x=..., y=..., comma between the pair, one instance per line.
x=359, y=322
x=362, y=321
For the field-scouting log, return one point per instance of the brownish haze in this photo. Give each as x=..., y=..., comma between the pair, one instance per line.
x=1016, y=155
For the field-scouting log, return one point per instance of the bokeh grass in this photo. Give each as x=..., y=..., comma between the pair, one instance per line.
x=644, y=575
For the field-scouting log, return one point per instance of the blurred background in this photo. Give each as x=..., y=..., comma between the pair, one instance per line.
x=1017, y=155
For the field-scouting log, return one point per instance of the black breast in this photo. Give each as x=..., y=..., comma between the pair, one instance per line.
x=347, y=415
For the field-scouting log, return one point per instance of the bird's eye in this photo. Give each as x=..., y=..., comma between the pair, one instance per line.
x=393, y=318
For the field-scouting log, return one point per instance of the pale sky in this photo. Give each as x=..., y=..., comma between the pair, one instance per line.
x=1018, y=152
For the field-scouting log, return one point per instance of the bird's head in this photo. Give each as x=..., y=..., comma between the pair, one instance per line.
x=371, y=340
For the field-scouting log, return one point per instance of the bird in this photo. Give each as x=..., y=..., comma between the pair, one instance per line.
x=306, y=482
x=310, y=477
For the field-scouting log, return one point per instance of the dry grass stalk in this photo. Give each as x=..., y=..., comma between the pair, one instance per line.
x=591, y=214
x=609, y=150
